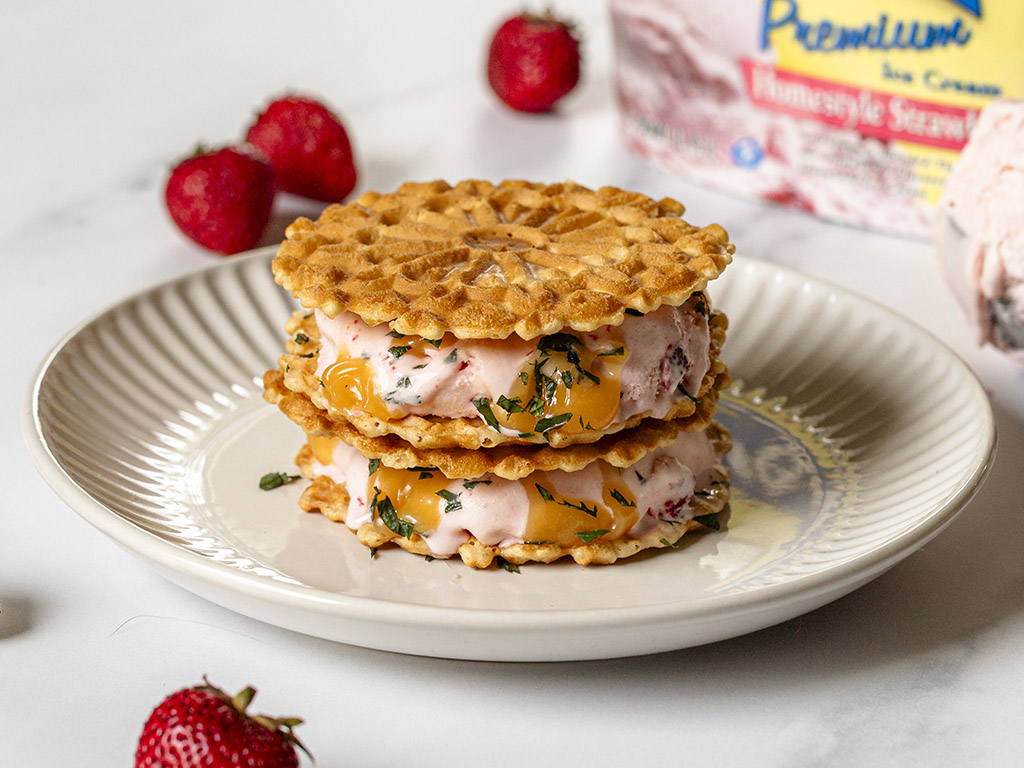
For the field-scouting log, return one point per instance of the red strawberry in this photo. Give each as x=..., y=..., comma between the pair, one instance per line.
x=222, y=199
x=308, y=148
x=533, y=62
x=203, y=726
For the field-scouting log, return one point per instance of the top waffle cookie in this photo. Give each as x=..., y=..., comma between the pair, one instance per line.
x=485, y=261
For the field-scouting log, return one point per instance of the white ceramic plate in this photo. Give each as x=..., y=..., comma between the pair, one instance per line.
x=858, y=437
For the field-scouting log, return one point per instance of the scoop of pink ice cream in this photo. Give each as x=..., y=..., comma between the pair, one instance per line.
x=980, y=227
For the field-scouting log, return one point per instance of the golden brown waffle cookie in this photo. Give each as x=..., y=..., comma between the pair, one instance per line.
x=331, y=499
x=486, y=261
x=298, y=374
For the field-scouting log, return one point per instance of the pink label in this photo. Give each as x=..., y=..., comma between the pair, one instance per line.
x=870, y=112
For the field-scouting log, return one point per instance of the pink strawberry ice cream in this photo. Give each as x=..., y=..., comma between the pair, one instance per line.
x=980, y=231
x=652, y=362
x=657, y=488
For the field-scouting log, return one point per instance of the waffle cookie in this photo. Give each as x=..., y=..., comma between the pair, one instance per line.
x=487, y=369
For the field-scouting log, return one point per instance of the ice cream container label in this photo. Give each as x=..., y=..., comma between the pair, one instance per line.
x=853, y=111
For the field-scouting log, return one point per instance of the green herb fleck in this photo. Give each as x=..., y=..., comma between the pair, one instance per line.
x=484, y=406
x=567, y=379
x=613, y=352
x=389, y=516
x=373, y=553
x=374, y=465
x=396, y=335
x=404, y=383
x=641, y=478
x=589, y=536
x=667, y=543
x=582, y=507
x=429, y=558
x=435, y=343
x=622, y=499
x=682, y=390
x=273, y=480
x=535, y=407
x=301, y=338
x=397, y=352
x=452, y=357
x=505, y=565
x=308, y=354
x=552, y=422
x=544, y=492
x=557, y=342
x=524, y=377
x=711, y=521
x=469, y=485
x=510, y=406
x=453, y=502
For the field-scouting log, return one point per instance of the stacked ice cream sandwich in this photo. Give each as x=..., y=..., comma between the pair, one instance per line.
x=521, y=370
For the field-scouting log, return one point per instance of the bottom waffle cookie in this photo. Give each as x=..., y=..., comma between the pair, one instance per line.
x=596, y=515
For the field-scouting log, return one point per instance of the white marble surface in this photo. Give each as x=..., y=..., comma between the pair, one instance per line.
x=920, y=667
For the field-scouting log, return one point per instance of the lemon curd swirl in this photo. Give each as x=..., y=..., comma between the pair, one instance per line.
x=565, y=385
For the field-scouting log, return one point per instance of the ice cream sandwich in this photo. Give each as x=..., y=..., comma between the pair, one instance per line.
x=520, y=370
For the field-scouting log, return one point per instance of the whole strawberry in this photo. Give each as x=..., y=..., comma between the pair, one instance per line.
x=203, y=726
x=533, y=62
x=308, y=148
x=222, y=199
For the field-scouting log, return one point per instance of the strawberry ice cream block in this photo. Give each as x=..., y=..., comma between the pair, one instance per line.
x=980, y=231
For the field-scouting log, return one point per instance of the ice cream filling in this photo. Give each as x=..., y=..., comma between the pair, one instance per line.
x=569, y=381
x=598, y=502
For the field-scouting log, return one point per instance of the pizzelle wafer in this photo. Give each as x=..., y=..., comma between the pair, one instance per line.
x=480, y=260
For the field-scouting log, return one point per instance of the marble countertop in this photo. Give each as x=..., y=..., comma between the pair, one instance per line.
x=921, y=666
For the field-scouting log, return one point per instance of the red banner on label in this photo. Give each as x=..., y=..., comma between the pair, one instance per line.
x=872, y=113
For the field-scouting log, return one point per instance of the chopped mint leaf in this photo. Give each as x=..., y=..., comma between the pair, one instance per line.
x=469, y=485
x=613, y=352
x=397, y=352
x=665, y=542
x=582, y=507
x=273, y=480
x=538, y=543
x=484, y=406
x=622, y=499
x=429, y=558
x=641, y=478
x=558, y=342
x=526, y=434
x=452, y=357
x=524, y=377
x=301, y=338
x=682, y=390
x=535, y=407
x=373, y=553
x=589, y=536
x=510, y=406
x=544, y=492
x=308, y=354
x=417, y=367
x=711, y=521
x=453, y=502
x=505, y=565
x=566, y=378
x=425, y=475
x=552, y=422
x=396, y=335
x=435, y=343
x=389, y=516
x=404, y=383
x=374, y=465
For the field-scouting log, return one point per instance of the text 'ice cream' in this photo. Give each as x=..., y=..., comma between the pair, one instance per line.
x=852, y=111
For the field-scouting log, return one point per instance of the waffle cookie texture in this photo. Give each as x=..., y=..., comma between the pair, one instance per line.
x=555, y=265
x=480, y=260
